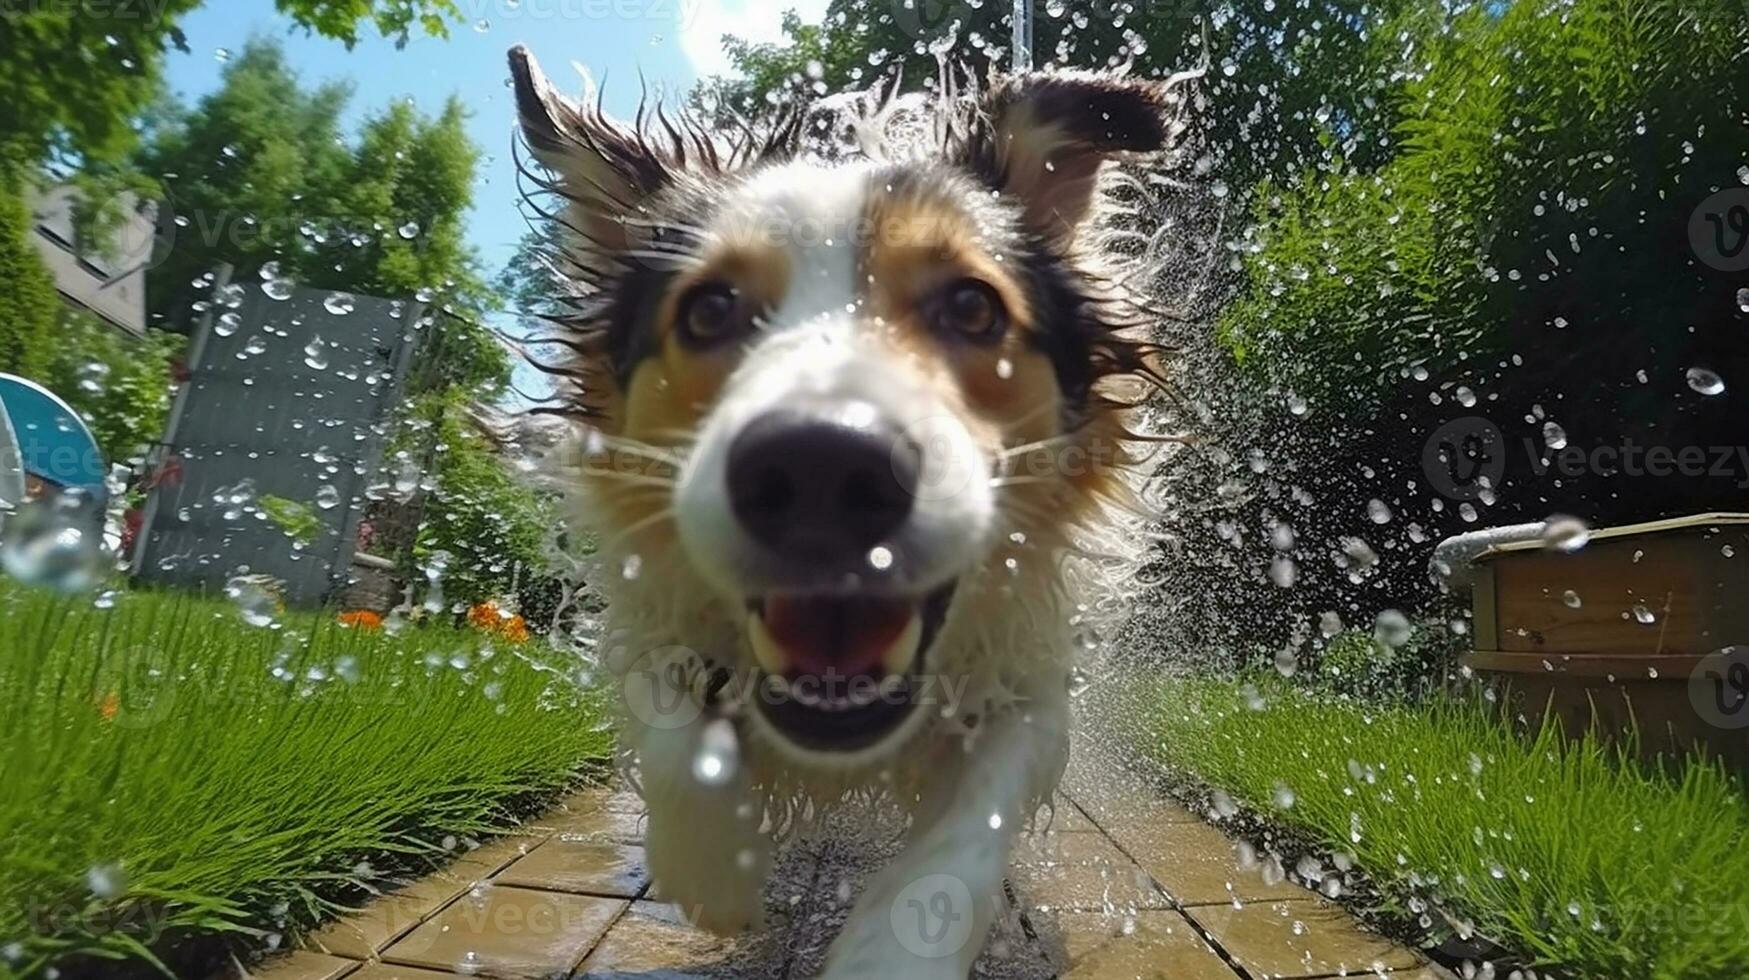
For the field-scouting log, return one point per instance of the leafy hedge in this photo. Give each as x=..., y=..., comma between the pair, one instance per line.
x=120, y=385
x=1551, y=154
x=29, y=304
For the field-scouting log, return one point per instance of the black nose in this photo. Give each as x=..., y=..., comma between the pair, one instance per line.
x=819, y=488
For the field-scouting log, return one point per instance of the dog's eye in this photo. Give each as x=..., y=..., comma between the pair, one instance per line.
x=971, y=309
x=710, y=314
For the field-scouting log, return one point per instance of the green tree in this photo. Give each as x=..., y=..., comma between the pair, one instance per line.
x=1534, y=217
x=29, y=303
x=263, y=174
x=76, y=75
x=1288, y=83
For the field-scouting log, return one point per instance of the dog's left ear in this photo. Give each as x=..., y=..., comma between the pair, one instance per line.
x=1044, y=137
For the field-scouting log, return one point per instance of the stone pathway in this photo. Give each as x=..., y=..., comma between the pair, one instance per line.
x=1119, y=885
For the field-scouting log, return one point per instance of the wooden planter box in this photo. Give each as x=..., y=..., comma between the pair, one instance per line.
x=1612, y=633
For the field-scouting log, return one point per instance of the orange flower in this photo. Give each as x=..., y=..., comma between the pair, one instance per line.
x=110, y=706
x=488, y=618
x=363, y=619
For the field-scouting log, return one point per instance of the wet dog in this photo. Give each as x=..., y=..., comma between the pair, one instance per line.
x=856, y=427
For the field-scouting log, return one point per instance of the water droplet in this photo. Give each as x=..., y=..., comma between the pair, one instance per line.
x=277, y=289
x=228, y=324
x=1571, y=599
x=1222, y=805
x=1465, y=396
x=1743, y=294
x=221, y=55
x=1565, y=534
x=1329, y=623
x=105, y=599
x=256, y=601
x=1643, y=615
x=1005, y=369
x=1392, y=628
x=407, y=478
x=316, y=354
x=55, y=543
x=1378, y=511
x=339, y=304
x=409, y=231
x=1283, y=796
x=1287, y=662
x=632, y=567
x=1705, y=381
x=880, y=558
x=1283, y=572
x=327, y=496
x=1554, y=436
x=107, y=881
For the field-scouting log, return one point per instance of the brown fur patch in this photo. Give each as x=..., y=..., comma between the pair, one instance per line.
x=920, y=247
x=672, y=391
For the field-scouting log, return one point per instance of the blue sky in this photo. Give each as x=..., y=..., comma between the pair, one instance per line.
x=672, y=42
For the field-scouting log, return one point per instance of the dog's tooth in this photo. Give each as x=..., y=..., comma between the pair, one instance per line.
x=765, y=647
x=902, y=652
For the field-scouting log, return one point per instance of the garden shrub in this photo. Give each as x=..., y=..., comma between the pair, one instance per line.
x=119, y=384
x=29, y=303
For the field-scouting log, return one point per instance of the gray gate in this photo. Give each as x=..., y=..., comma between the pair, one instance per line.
x=288, y=398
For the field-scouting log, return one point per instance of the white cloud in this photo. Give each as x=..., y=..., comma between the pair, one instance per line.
x=704, y=22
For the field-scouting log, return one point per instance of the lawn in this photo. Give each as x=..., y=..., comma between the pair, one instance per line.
x=1596, y=867
x=174, y=773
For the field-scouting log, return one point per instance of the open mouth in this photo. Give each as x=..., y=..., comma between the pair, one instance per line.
x=840, y=672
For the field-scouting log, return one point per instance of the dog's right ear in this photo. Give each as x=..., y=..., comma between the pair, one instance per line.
x=603, y=169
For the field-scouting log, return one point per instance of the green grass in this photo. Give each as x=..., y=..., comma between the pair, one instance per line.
x=1559, y=850
x=171, y=772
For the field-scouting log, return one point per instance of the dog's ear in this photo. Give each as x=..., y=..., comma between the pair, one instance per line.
x=604, y=170
x=1044, y=137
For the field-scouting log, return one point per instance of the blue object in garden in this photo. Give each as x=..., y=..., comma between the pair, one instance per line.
x=54, y=444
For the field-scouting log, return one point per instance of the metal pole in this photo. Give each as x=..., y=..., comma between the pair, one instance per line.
x=1022, y=35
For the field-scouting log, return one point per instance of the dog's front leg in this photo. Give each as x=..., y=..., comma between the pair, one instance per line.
x=702, y=837
x=926, y=916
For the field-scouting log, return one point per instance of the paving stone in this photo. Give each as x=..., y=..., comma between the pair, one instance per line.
x=1199, y=865
x=390, y=971
x=1083, y=872
x=1146, y=946
x=593, y=814
x=1300, y=939
x=1064, y=817
x=589, y=867
x=303, y=965
x=652, y=940
x=363, y=933
x=509, y=932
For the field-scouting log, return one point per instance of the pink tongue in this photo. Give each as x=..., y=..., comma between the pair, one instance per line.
x=841, y=636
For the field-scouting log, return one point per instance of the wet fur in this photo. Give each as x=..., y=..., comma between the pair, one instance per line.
x=969, y=781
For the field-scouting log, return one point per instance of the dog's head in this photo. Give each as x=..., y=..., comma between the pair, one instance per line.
x=842, y=404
